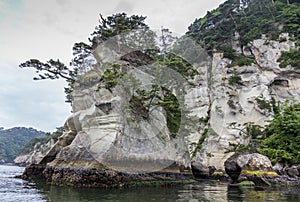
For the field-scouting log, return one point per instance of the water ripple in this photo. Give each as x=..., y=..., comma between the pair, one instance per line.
x=14, y=189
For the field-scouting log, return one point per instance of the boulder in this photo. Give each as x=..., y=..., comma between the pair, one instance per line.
x=292, y=171
x=200, y=171
x=208, y=172
x=232, y=168
x=278, y=168
x=250, y=167
x=254, y=162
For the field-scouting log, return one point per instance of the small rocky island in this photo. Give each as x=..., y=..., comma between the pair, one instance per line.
x=213, y=104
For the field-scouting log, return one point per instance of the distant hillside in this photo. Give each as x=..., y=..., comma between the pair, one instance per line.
x=13, y=139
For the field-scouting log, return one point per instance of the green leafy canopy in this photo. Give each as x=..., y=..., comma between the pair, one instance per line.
x=81, y=63
x=283, y=136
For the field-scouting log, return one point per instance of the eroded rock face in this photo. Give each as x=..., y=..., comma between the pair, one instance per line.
x=109, y=130
x=113, y=132
x=234, y=104
x=34, y=157
x=64, y=140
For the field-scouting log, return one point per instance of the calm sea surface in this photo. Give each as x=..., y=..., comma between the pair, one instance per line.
x=13, y=189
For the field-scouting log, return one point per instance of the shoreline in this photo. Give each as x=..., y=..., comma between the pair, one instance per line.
x=107, y=178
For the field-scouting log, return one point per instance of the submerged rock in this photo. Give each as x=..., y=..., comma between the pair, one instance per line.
x=257, y=169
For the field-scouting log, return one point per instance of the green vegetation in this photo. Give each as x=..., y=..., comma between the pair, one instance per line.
x=283, y=136
x=233, y=20
x=240, y=148
x=178, y=64
x=250, y=19
x=291, y=57
x=143, y=100
x=249, y=130
x=203, y=137
x=235, y=79
x=82, y=62
x=117, y=24
x=269, y=105
x=173, y=112
x=288, y=14
x=11, y=140
x=231, y=104
x=200, y=141
x=240, y=60
x=29, y=146
x=237, y=59
x=263, y=104
x=111, y=75
x=254, y=131
x=279, y=140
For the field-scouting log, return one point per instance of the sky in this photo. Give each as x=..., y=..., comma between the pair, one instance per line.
x=48, y=29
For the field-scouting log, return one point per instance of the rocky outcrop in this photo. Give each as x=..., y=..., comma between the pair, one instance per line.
x=254, y=162
x=112, y=131
x=36, y=156
x=238, y=95
x=64, y=140
x=232, y=168
x=258, y=169
x=202, y=172
x=107, y=178
x=13, y=141
x=46, y=152
x=293, y=171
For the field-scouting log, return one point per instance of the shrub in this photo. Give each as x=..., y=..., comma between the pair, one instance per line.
x=283, y=136
x=235, y=79
x=291, y=57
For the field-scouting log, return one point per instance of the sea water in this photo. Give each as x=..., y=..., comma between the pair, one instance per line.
x=15, y=189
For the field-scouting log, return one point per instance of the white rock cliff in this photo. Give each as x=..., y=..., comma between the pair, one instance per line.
x=104, y=132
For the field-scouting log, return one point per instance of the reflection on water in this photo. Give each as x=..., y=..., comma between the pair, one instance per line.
x=138, y=194
x=204, y=191
x=13, y=189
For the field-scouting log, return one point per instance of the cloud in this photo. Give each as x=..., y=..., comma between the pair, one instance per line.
x=25, y=102
x=124, y=6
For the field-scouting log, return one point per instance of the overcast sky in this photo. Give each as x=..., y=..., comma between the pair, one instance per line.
x=46, y=29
